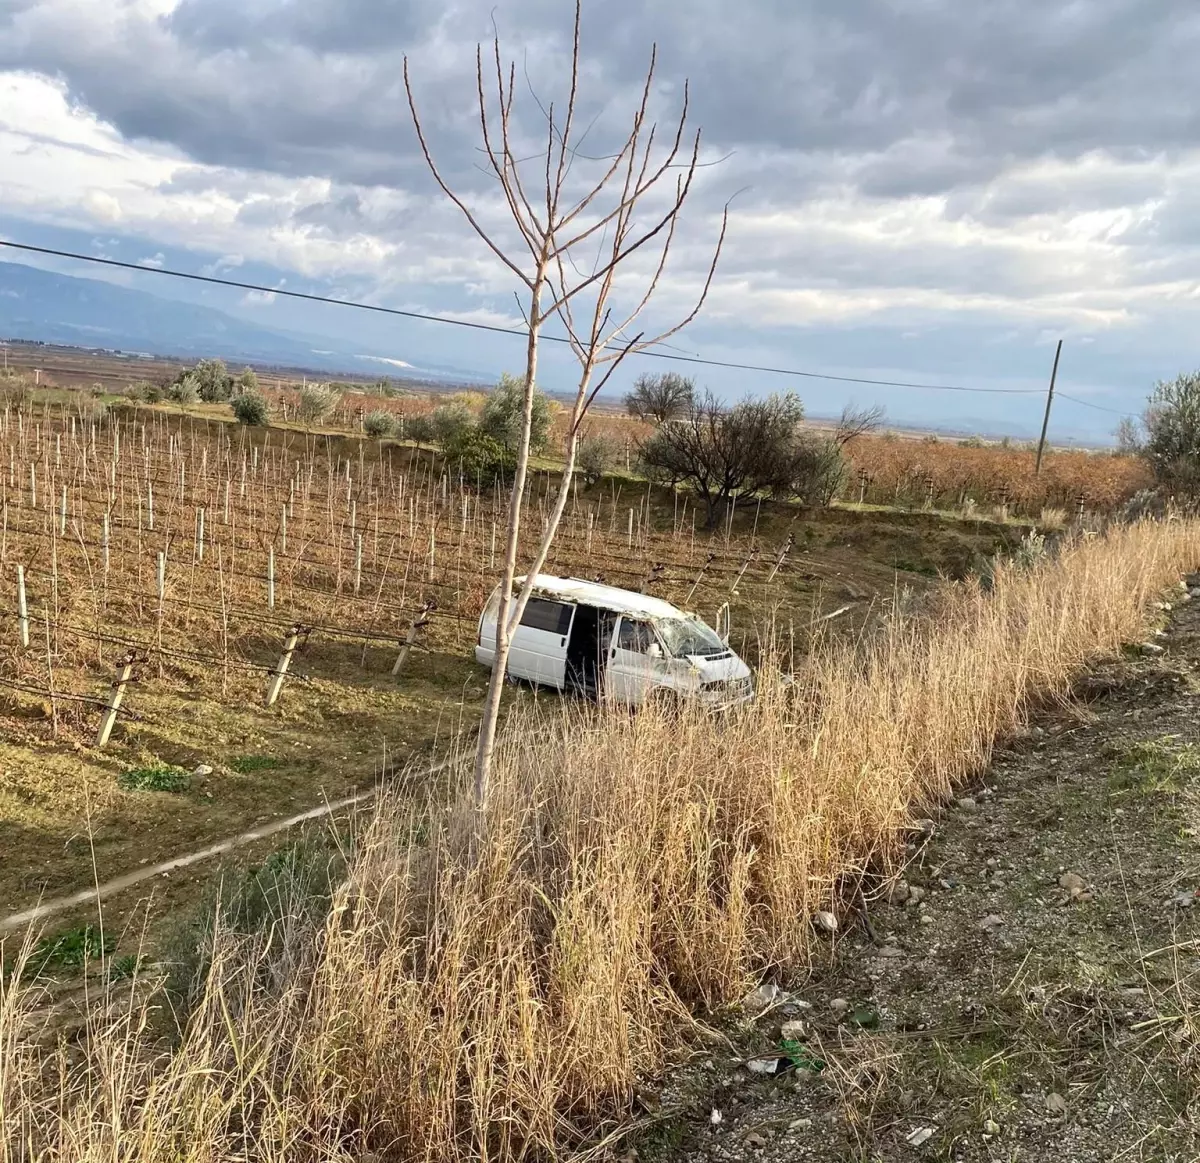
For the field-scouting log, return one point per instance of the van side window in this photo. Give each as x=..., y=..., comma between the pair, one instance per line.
x=553, y=617
x=635, y=636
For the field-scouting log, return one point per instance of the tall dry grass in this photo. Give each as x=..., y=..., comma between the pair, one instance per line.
x=493, y=988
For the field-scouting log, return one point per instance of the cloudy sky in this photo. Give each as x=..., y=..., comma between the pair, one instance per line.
x=922, y=190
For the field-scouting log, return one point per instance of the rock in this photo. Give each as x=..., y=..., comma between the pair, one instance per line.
x=825, y=921
x=991, y=1127
x=924, y=827
x=1194, y=592
x=716, y=1118
x=992, y=862
x=916, y=893
x=919, y=1135
x=755, y=1140
x=1072, y=882
x=891, y=952
x=799, y=1124
x=839, y=1006
x=1056, y=1105
x=1185, y=900
x=202, y=770
x=794, y=1030
x=926, y=918
x=1085, y=898
x=991, y=923
x=1163, y=607
x=998, y=882
x=967, y=803
x=898, y=893
x=1150, y=648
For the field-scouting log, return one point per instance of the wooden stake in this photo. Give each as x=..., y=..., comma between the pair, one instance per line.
x=124, y=674
x=22, y=607
x=271, y=577
x=281, y=667
x=421, y=620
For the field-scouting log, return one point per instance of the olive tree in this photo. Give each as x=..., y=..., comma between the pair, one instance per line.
x=1172, y=424
x=503, y=415
x=574, y=222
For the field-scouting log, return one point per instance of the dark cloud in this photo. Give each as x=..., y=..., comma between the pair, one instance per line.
x=928, y=93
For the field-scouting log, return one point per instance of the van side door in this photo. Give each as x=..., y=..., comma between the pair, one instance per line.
x=539, y=644
x=631, y=669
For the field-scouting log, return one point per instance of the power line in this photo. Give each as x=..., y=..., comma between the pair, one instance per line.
x=1088, y=404
x=429, y=318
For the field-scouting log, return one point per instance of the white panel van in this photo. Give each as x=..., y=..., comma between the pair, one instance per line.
x=613, y=644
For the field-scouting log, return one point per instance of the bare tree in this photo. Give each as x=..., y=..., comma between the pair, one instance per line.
x=723, y=452
x=660, y=398
x=855, y=422
x=633, y=203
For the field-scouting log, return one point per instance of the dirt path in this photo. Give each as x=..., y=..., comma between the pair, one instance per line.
x=1039, y=1001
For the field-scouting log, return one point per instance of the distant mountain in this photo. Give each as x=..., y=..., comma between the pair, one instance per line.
x=42, y=305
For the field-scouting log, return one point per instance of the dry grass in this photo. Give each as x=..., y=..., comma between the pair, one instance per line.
x=491, y=988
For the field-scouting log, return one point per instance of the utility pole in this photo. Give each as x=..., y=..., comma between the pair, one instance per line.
x=1037, y=468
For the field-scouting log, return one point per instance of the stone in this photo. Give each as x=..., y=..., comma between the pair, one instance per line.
x=839, y=1005
x=926, y=918
x=991, y=1128
x=918, y=1136
x=716, y=1118
x=1056, y=1105
x=924, y=827
x=1072, y=882
x=794, y=1030
x=898, y=893
x=755, y=1140
x=1150, y=648
x=891, y=952
x=203, y=770
x=916, y=893
x=991, y=923
x=825, y=921
x=992, y=862
x=967, y=803
x=799, y=1124
x=1194, y=592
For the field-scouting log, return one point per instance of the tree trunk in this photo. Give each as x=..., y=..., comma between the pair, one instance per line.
x=486, y=746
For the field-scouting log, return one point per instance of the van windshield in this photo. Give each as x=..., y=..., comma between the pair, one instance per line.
x=684, y=636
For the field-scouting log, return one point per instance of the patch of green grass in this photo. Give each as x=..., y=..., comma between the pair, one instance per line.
x=247, y=764
x=123, y=968
x=663, y=1141
x=160, y=777
x=1154, y=767
x=801, y=1057
x=70, y=950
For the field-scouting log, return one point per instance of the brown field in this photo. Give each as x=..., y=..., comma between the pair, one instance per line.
x=950, y=472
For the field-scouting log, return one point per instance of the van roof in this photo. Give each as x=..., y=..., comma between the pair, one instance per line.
x=574, y=589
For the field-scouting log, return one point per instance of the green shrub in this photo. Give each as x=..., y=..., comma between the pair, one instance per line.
x=213, y=381
x=251, y=408
x=316, y=402
x=502, y=415
x=418, y=429
x=185, y=390
x=70, y=950
x=160, y=777
x=478, y=457
x=379, y=424
x=596, y=456
x=450, y=421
